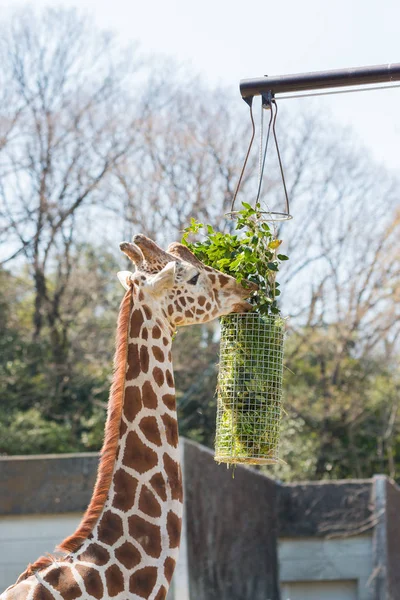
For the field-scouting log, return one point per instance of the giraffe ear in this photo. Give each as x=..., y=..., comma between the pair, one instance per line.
x=164, y=279
x=123, y=277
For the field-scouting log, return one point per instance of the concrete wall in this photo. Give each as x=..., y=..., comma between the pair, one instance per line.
x=231, y=527
x=326, y=508
x=24, y=538
x=320, y=590
x=393, y=540
x=46, y=484
x=311, y=563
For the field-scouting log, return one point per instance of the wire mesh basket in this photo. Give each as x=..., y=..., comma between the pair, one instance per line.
x=249, y=389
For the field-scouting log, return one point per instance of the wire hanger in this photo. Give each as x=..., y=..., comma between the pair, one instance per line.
x=267, y=102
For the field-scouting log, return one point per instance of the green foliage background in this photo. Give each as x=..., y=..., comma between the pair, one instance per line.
x=335, y=423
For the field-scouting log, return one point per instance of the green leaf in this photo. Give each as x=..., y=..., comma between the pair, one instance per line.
x=283, y=257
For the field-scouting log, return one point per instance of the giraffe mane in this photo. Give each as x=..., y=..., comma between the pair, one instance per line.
x=108, y=451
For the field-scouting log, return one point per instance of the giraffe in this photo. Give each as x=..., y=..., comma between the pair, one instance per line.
x=127, y=543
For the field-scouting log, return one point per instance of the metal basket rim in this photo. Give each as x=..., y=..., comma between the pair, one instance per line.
x=244, y=460
x=272, y=215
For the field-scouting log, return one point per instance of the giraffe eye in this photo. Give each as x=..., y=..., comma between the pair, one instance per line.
x=194, y=279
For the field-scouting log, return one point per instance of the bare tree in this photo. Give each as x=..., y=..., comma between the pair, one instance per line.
x=70, y=130
x=192, y=151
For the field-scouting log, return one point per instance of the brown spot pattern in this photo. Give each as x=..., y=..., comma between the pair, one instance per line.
x=142, y=582
x=144, y=359
x=174, y=477
x=158, y=484
x=141, y=296
x=122, y=428
x=158, y=376
x=208, y=306
x=171, y=430
x=42, y=593
x=95, y=554
x=149, y=396
x=156, y=332
x=147, y=311
x=133, y=362
x=158, y=354
x=137, y=455
x=62, y=579
x=169, y=401
x=201, y=300
x=110, y=528
x=114, y=580
x=174, y=525
x=170, y=309
x=169, y=378
x=169, y=566
x=136, y=323
x=145, y=334
x=149, y=427
x=92, y=580
x=165, y=341
x=162, y=594
x=132, y=402
x=182, y=301
x=223, y=280
x=125, y=487
x=128, y=555
x=188, y=314
x=146, y=534
x=148, y=503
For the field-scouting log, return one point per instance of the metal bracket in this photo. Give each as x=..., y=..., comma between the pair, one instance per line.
x=267, y=99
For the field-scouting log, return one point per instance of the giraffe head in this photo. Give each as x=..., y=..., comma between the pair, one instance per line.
x=187, y=291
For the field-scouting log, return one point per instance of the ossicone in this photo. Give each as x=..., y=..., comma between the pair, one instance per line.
x=133, y=252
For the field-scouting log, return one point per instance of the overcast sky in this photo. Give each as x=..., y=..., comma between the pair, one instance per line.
x=227, y=40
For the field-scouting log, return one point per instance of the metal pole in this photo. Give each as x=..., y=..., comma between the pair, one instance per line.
x=319, y=80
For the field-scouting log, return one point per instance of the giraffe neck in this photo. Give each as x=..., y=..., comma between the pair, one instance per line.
x=141, y=520
x=127, y=544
